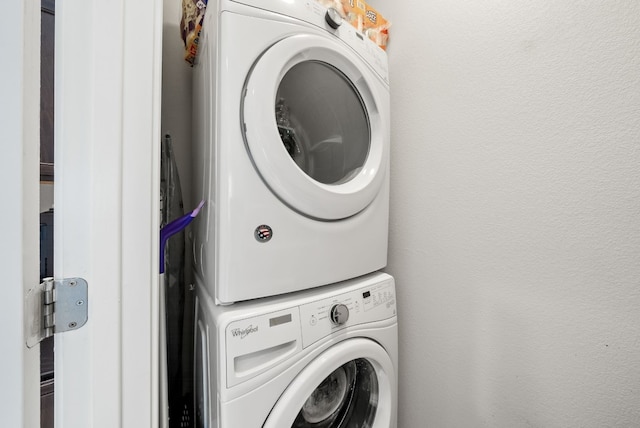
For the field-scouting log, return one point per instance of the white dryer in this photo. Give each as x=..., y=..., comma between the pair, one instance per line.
x=291, y=149
x=322, y=358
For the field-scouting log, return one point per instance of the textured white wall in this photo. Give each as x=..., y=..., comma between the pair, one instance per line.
x=515, y=218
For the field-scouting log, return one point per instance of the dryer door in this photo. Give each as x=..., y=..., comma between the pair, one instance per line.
x=352, y=384
x=316, y=126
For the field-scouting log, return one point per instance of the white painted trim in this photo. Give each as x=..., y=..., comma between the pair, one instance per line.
x=19, y=224
x=106, y=199
x=141, y=207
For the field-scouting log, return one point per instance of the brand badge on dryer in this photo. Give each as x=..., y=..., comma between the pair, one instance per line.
x=263, y=233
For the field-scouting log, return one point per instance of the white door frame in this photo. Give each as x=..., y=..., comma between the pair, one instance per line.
x=19, y=223
x=108, y=86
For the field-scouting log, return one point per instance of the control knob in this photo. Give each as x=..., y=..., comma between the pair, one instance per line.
x=333, y=18
x=339, y=314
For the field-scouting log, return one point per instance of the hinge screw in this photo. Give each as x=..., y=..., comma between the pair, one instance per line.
x=73, y=324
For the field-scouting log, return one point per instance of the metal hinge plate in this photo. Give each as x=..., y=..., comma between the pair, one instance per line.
x=55, y=306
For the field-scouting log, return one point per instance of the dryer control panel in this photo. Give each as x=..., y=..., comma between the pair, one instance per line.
x=314, y=13
x=325, y=317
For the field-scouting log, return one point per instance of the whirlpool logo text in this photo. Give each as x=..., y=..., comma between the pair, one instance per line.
x=244, y=332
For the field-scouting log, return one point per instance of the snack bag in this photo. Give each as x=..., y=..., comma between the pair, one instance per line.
x=367, y=20
x=376, y=27
x=354, y=12
x=190, y=26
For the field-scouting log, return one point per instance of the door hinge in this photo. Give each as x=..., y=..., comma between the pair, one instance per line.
x=55, y=306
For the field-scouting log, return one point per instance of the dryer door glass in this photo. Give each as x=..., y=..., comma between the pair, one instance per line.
x=322, y=122
x=315, y=121
x=348, y=397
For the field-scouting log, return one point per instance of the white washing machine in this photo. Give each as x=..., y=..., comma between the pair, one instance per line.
x=291, y=149
x=322, y=358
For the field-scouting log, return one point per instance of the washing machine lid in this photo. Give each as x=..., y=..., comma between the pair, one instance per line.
x=313, y=126
x=350, y=384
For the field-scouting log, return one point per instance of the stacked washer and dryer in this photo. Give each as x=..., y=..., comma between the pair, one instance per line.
x=294, y=325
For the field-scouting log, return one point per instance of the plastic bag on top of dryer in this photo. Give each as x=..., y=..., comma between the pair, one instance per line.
x=362, y=16
x=190, y=26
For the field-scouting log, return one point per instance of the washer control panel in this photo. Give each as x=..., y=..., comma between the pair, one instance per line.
x=325, y=317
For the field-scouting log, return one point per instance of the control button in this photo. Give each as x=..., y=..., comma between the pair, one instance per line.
x=333, y=18
x=339, y=314
x=313, y=320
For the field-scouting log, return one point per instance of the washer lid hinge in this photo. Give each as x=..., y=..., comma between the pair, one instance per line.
x=55, y=306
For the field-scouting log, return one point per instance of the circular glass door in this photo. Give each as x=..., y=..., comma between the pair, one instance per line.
x=313, y=127
x=322, y=122
x=347, y=397
x=350, y=385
